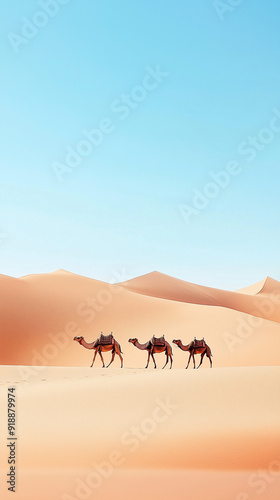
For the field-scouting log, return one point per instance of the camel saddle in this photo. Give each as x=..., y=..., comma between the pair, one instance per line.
x=198, y=343
x=160, y=341
x=105, y=339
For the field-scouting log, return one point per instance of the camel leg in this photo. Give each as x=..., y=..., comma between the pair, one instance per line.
x=171, y=361
x=93, y=358
x=118, y=352
x=201, y=359
x=100, y=354
x=167, y=359
x=155, y=365
x=193, y=360
x=209, y=356
x=113, y=357
x=189, y=360
x=121, y=358
x=149, y=354
x=169, y=354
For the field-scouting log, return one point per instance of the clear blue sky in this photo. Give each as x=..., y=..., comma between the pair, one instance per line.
x=121, y=207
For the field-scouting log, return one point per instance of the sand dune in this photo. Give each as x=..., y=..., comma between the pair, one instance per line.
x=162, y=286
x=40, y=315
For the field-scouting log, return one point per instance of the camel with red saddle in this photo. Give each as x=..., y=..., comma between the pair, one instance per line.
x=196, y=347
x=155, y=346
x=104, y=343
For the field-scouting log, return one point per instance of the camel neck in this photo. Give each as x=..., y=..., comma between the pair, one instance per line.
x=141, y=346
x=86, y=345
x=184, y=347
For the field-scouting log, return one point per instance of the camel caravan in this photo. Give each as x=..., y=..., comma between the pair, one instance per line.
x=156, y=345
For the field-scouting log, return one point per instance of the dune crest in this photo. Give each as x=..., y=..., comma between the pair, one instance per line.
x=252, y=289
x=270, y=285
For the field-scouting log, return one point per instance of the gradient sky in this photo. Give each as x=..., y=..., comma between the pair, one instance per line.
x=119, y=213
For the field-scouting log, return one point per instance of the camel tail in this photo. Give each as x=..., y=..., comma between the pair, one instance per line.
x=210, y=351
x=119, y=347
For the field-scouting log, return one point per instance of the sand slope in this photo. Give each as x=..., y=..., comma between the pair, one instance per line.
x=40, y=315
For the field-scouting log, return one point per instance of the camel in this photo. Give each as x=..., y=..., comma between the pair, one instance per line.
x=195, y=350
x=99, y=348
x=154, y=349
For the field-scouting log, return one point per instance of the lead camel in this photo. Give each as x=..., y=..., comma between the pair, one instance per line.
x=115, y=348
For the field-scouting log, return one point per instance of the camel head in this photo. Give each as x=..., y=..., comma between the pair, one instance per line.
x=177, y=342
x=132, y=341
x=78, y=339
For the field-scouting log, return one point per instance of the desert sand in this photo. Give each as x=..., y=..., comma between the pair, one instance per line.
x=134, y=433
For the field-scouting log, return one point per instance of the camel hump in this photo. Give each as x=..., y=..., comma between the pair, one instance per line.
x=106, y=339
x=198, y=343
x=158, y=340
